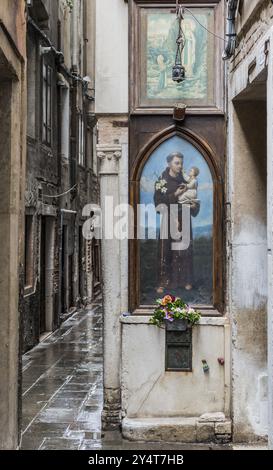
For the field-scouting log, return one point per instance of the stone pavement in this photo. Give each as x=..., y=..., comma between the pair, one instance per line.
x=63, y=391
x=62, y=386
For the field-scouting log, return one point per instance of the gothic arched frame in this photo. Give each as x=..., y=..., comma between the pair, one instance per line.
x=218, y=219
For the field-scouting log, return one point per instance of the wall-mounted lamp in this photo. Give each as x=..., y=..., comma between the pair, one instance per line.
x=45, y=50
x=48, y=49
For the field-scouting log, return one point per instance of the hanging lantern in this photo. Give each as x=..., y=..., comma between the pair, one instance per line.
x=179, y=71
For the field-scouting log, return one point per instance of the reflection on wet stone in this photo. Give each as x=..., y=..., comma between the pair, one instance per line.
x=63, y=396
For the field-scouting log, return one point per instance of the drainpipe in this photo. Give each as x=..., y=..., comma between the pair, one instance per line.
x=231, y=32
x=75, y=36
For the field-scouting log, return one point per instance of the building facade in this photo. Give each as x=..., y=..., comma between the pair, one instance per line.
x=222, y=389
x=62, y=150
x=61, y=167
x=250, y=218
x=147, y=392
x=13, y=149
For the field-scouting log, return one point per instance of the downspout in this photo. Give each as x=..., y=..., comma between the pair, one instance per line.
x=231, y=32
x=75, y=34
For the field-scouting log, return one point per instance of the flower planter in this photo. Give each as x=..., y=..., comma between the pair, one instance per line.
x=177, y=325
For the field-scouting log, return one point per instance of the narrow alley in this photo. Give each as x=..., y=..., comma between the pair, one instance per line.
x=62, y=386
x=136, y=204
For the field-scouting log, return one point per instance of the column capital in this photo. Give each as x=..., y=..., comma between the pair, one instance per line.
x=109, y=156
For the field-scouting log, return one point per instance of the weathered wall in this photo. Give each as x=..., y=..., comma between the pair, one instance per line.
x=42, y=174
x=149, y=391
x=111, y=56
x=247, y=195
x=12, y=15
x=12, y=172
x=111, y=107
x=247, y=12
x=55, y=169
x=270, y=243
x=248, y=271
x=256, y=19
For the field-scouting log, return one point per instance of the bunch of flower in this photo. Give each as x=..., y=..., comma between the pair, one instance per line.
x=172, y=308
x=160, y=185
x=69, y=4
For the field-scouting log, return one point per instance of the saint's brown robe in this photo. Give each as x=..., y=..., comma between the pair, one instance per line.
x=175, y=268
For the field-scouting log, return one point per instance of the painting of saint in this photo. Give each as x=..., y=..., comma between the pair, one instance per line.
x=189, y=51
x=158, y=52
x=176, y=174
x=162, y=82
x=176, y=189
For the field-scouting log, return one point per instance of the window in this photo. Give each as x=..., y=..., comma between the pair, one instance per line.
x=81, y=140
x=65, y=143
x=31, y=86
x=28, y=251
x=47, y=104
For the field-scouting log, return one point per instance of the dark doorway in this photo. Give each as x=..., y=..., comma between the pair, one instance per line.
x=46, y=274
x=70, y=281
x=80, y=277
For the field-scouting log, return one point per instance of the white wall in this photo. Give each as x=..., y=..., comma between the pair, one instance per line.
x=248, y=9
x=111, y=57
x=248, y=266
x=149, y=391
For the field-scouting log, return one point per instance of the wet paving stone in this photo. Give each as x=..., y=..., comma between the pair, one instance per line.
x=60, y=444
x=89, y=444
x=60, y=375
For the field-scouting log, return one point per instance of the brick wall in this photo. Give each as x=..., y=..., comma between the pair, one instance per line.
x=260, y=20
x=113, y=129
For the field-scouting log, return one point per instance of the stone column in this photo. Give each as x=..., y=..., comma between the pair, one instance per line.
x=109, y=157
x=270, y=240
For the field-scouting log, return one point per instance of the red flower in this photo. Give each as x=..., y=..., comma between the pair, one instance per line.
x=172, y=297
x=166, y=300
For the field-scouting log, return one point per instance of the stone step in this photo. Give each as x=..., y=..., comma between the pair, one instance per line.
x=178, y=429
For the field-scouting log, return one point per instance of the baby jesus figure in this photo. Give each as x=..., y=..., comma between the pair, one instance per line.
x=190, y=194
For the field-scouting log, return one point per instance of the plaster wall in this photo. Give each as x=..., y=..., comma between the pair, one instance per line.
x=112, y=152
x=248, y=262
x=247, y=11
x=12, y=16
x=12, y=172
x=148, y=391
x=111, y=56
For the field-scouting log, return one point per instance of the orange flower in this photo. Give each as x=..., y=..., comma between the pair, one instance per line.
x=167, y=299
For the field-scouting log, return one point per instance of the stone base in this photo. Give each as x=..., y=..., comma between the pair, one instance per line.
x=110, y=420
x=111, y=414
x=184, y=430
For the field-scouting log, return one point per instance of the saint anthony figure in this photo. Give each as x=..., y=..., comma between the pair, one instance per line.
x=175, y=269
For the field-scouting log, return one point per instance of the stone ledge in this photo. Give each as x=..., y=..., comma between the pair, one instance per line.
x=145, y=319
x=182, y=430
